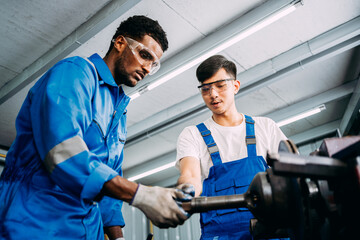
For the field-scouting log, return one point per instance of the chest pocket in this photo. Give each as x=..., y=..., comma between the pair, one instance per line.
x=95, y=139
x=121, y=135
x=116, y=140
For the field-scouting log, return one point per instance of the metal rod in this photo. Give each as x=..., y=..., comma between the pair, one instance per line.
x=203, y=204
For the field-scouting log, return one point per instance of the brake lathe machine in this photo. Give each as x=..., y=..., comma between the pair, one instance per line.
x=301, y=197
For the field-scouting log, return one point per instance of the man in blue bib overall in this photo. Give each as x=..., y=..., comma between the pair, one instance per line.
x=222, y=155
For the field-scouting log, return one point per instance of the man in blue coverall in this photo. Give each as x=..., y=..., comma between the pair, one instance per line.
x=62, y=178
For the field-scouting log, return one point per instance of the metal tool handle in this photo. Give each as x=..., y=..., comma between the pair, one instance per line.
x=203, y=204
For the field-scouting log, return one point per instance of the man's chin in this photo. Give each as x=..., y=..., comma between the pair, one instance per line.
x=134, y=83
x=131, y=82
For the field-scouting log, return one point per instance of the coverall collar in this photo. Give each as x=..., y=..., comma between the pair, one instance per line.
x=103, y=70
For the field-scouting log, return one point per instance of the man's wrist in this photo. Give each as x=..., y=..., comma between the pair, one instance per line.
x=137, y=188
x=120, y=188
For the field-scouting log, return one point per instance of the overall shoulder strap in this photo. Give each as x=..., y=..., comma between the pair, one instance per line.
x=250, y=136
x=210, y=143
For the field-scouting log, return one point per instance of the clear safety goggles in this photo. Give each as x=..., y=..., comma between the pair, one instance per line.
x=143, y=55
x=218, y=86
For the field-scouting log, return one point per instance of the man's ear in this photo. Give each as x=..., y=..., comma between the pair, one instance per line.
x=120, y=43
x=237, y=86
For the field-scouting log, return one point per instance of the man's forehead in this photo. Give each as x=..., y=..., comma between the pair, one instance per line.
x=152, y=44
x=221, y=74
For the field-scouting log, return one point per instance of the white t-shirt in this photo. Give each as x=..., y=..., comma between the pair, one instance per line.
x=230, y=141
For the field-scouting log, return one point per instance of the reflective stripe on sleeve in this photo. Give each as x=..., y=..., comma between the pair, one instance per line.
x=64, y=151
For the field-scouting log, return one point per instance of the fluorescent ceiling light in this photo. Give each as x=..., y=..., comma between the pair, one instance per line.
x=301, y=115
x=134, y=96
x=151, y=172
x=220, y=47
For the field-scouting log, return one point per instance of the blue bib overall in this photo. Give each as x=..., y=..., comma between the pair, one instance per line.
x=227, y=179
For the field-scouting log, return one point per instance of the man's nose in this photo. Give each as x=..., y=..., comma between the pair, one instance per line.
x=146, y=67
x=213, y=92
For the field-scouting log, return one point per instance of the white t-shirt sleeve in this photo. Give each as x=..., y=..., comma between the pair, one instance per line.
x=187, y=145
x=269, y=134
x=278, y=135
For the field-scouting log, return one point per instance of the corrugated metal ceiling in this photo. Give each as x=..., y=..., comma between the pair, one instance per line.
x=302, y=60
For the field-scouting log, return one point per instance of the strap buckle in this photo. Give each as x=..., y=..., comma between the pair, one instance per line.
x=213, y=148
x=251, y=139
x=251, y=121
x=205, y=133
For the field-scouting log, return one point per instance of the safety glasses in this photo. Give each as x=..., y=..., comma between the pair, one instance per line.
x=144, y=55
x=218, y=86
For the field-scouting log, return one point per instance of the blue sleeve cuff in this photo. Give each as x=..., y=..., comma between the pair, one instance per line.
x=111, y=212
x=96, y=180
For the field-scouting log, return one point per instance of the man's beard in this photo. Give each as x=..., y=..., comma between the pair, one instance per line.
x=121, y=76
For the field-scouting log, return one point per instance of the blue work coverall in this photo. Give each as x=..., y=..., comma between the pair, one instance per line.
x=71, y=131
x=228, y=179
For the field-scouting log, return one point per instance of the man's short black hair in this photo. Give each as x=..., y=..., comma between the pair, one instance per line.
x=213, y=64
x=137, y=27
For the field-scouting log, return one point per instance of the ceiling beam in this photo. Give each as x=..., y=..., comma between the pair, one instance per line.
x=334, y=39
x=351, y=111
x=333, y=42
x=87, y=30
x=334, y=94
x=315, y=132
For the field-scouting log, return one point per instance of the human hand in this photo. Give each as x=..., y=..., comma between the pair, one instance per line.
x=159, y=205
x=187, y=191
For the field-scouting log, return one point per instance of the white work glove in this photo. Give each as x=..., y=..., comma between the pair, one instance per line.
x=159, y=205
